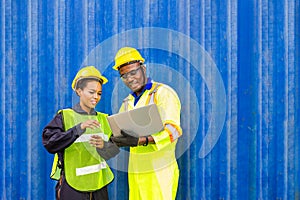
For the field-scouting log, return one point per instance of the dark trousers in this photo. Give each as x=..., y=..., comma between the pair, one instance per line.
x=66, y=192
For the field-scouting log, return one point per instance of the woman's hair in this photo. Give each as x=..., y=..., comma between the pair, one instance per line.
x=81, y=84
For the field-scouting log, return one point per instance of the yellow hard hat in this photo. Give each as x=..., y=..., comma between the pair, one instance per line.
x=126, y=55
x=88, y=72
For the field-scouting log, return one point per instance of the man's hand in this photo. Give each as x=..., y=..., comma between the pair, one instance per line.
x=125, y=140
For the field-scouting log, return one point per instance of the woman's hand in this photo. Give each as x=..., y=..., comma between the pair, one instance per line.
x=97, y=141
x=91, y=123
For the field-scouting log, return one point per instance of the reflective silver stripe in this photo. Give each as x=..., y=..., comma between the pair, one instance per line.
x=87, y=137
x=90, y=169
x=174, y=131
x=151, y=101
x=125, y=101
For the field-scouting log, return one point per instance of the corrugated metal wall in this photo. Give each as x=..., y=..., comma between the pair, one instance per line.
x=234, y=64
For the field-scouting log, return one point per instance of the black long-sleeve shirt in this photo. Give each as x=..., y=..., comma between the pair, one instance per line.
x=55, y=138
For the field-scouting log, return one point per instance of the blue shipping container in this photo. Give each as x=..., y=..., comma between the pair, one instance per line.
x=234, y=64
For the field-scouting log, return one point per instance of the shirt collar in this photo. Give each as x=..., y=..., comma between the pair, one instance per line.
x=148, y=86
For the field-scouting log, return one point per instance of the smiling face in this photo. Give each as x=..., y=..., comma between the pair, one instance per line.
x=134, y=76
x=90, y=95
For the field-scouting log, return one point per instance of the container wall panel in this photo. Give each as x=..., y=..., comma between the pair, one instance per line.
x=234, y=64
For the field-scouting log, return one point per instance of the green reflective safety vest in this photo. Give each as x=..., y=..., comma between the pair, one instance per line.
x=85, y=170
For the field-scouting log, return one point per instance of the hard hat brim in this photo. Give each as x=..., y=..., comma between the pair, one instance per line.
x=117, y=67
x=102, y=78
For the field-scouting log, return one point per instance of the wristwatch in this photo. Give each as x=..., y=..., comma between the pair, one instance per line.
x=146, y=143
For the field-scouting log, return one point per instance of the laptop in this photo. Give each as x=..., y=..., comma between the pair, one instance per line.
x=142, y=121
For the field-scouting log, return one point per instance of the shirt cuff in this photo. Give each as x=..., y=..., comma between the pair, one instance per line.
x=78, y=130
x=161, y=139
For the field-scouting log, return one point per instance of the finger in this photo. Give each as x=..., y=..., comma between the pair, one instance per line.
x=94, y=124
x=100, y=141
x=96, y=137
x=100, y=145
x=96, y=140
x=93, y=142
x=97, y=144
